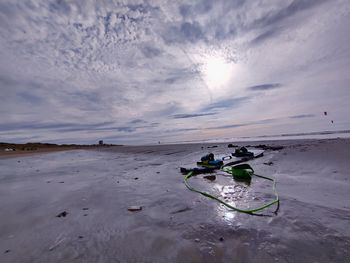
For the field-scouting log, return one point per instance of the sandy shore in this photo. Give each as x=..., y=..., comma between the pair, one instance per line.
x=95, y=187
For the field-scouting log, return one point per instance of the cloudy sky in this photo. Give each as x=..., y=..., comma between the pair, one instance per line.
x=148, y=71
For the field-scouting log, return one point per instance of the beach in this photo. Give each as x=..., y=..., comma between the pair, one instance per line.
x=72, y=206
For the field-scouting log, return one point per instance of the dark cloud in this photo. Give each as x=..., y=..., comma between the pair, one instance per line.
x=196, y=7
x=230, y=126
x=194, y=115
x=265, y=86
x=226, y=104
x=302, y=116
x=151, y=51
x=258, y=122
x=181, y=130
x=185, y=32
x=60, y=6
x=179, y=75
x=137, y=121
x=30, y=98
x=265, y=35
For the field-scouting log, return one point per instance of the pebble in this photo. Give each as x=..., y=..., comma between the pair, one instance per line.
x=221, y=239
x=7, y=251
x=197, y=240
x=136, y=178
x=85, y=208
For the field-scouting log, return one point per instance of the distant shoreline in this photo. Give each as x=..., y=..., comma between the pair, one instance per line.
x=15, y=149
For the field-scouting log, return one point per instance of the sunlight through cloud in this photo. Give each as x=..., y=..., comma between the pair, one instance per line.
x=217, y=72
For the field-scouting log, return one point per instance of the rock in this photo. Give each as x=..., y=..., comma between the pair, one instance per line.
x=210, y=177
x=85, y=208
x=80, y=237
x=221, y=239
x=62, y=182
x=134, y=208
x=7, y=251
x=136, y=178
x=85, y=214
x=62, y=214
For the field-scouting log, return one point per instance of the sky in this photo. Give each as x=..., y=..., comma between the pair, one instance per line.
x=135, y=72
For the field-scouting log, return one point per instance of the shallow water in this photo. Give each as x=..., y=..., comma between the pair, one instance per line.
x=95, y=188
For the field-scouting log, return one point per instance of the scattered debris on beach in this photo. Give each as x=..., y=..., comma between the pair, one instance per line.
x=62, y=214
x=134, y=208
x=268, y=147
x=181, y=210
x=269, y=163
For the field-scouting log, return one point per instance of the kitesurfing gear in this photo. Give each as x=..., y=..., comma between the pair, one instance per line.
x=238, y=172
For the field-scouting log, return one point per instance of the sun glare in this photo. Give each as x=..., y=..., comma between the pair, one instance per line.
x=217, y=72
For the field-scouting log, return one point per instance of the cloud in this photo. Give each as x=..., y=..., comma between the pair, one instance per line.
x=275, y=17
x=194, y=115
x=257, y=122
x=138, y=70
x=50, y=126
x=229, y=126
x=136, y=121
x=223, y=104
x=302, y=116
x=265, y=86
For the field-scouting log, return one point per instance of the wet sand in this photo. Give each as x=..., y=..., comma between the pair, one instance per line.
x=95, y=187
x=25, y=151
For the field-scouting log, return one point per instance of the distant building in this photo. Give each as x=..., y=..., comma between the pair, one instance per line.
x=100, y=142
